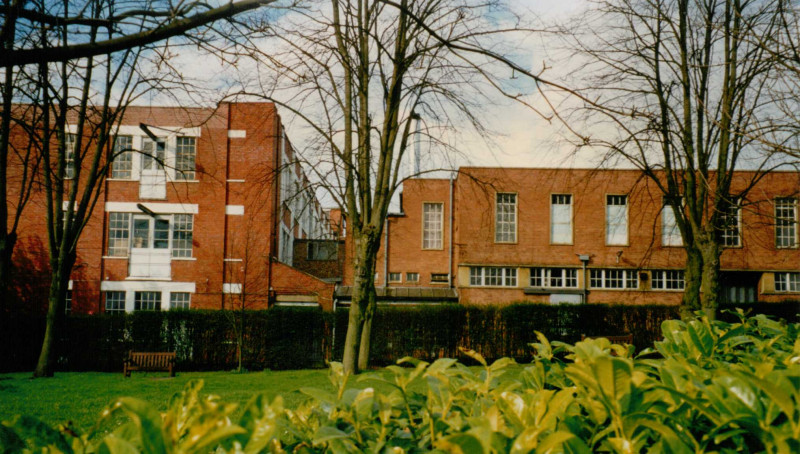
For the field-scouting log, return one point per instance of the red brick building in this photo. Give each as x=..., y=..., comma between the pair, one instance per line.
x=201, y=210
x=497, y=236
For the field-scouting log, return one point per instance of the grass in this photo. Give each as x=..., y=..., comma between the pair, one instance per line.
x=81, y=396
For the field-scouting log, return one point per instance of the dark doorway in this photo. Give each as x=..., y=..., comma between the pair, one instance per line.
x=739, y=287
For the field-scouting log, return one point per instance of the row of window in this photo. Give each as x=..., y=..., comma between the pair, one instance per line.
x=413, y=278
x=153, y=156
x=505, y=228
x=146, y=301
x=567, y=278
x=129, y=230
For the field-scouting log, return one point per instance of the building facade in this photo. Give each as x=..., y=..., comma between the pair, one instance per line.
x=498, y=236
x=200, y=210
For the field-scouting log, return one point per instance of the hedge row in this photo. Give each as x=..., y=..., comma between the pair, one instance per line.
x=293, y=338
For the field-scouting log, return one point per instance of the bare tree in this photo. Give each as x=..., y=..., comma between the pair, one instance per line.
x=682, y=90
x=86, y=62
x=363, y=75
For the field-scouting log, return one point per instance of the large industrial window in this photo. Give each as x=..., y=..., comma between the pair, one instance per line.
x=492, y=276
x=115, y=301
x=730, y=220
x=182, y=235
x=787, y=282
x=561, y=219
x=670, y=233
x=617, y=220
x=147, y=301
x=122, y=166
x=505, y=225
x=185, y=155
x=180, y=300
x=432, y=225
x=554, y=277
x=69, y=156
x=613, y=279
x=667, y=280
x=786, y=222
x=118, y=234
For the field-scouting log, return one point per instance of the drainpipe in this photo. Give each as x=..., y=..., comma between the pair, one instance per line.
x=450, y=238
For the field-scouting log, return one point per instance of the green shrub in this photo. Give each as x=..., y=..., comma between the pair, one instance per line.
x=716, y=387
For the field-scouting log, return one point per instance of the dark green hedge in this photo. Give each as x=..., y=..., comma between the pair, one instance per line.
x=295, y=338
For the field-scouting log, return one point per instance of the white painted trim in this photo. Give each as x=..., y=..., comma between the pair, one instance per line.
x=131, y=286
x=65, y=205
x=69, y=285
x=161, y=208
x=232, y=288
x=237, y=133
x=135, y=130
x=234, y=210
x=232, y=260
x=235, y=181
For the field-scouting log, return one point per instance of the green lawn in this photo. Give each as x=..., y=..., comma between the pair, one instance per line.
x=81, y=396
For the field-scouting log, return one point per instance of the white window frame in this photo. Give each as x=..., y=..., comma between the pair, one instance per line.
x=412, y=277
x=123, y=156
x=395, y=277
x=505, y=217
x=184, y=299
x=492, y=276
x=787, y=282
x=147, y=293
x=617, y=222
x=115, y=305
x=548, y=277
x=181, y=252
x=70, y=141
x=189, y=161
x=671, y=235
x=668, y=280
x=731, y=234
x=605, y=278
x=556, y=201
x=123, y=227
x=786, y=225
x=432, y=225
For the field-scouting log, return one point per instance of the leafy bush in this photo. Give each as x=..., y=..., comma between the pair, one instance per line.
x=717, y=387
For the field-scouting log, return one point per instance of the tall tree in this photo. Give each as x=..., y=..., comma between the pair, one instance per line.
x=87, y=60
x=681, y=89
x=363, y=75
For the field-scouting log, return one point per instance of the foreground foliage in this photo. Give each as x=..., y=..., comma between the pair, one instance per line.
x=715, y=387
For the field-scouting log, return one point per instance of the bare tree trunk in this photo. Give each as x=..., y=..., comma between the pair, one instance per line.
x=45, y=366
x=363, y=292
x=691, y=294
x=6, y=268
x=366, y=330
x=709, y=296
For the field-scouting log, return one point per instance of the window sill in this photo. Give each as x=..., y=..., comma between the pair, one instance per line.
x=114, y=257
x=184, y=259
x=507, y=287
x=552, y=291
x=161, y=279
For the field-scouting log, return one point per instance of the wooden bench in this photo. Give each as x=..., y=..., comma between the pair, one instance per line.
x=149, y=361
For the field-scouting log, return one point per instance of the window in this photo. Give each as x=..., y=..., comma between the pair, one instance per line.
x=161, y=234
x=147, y=301
x=505, y=225
x=68, y=303
x=185, y=153
x=152, y=155
x=118, y=234
x=323, y=250
x=432, y=225
x=730, y=220
x=554, y=277
x=613, y=279
x=787, y=282
x=180, y=300
x=670, y=233
x=785, y=222
x=115, y=301
x=182, y=235
x=122, y=163
x=492, y=276
x=617, y=220
x=412, y=277
x=439, y=278
x=395, y=277
x=69, y=156
x=667, y=280
x=561, y=219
